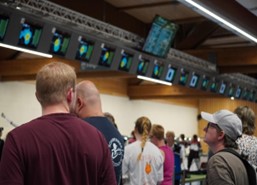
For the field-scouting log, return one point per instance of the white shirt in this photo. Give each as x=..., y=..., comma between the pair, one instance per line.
x=148, y=170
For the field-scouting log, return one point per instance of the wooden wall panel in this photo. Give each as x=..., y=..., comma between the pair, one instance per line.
x=212, y=105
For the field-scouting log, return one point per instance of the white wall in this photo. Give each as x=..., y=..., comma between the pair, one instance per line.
x=19, y=104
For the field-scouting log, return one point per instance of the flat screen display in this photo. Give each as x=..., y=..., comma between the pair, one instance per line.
x=183, y=77
x=85, y=50
x=157, y=69
x=160, y=37
x=142, y=66
x=231, y=91
x=30, y=34
x=214, y=85
x=222, y=88
x=171, y=73
x=4, y=20
x=194, y=80
x=107, y=55
x=238, y=92
x=59, y=43
x=205, y=83
x=246, y=94
x=125, y=61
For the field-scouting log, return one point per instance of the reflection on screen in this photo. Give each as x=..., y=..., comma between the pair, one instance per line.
x=213, y=87
x=3, y=26
x=85, y=50
x=106, y=57
x=231, y=91
x=246, y=94
x=29, y=35
x=205, y=83
x=238, y=92
x=194, y=80
x=183, y=77
x=157, y=69
x=171, y=73
x=125, y=61
x=142, y=66
x=222, y=88
x=60, y=43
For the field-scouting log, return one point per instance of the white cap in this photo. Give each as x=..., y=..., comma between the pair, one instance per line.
x=228, y=121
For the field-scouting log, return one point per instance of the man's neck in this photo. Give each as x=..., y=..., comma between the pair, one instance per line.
x=57, y=108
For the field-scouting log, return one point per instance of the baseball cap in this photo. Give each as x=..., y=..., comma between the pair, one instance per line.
x=228, y=121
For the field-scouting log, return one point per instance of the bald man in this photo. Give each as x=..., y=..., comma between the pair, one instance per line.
x=87, y=105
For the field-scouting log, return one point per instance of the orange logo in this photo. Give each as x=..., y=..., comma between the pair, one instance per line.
x=148, y=168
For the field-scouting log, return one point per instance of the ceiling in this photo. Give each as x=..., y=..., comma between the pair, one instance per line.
x=197, y=35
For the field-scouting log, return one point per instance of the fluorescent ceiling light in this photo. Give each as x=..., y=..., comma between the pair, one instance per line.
x=154, y=80
x=218, y=18
x=26, y=50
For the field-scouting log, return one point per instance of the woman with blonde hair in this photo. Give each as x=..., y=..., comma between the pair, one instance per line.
x=143, y=161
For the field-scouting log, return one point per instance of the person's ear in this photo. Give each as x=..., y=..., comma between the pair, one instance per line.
x=79, y=103
x=221, y=135
x=70, y=95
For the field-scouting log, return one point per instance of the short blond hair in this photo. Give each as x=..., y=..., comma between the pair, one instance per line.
x=53, y=82
x=157, y=131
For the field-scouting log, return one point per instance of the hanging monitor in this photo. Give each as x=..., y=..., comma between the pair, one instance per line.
x=157, y=69
x=85, y=49
x=125, y=61
x=160, y=37
x=238, y=92
x=214, y=85
x=4, y=20
x=183, y=76
x=194, y=80
x=142, y=66
x=106, y=56
x=60, y=42
x=30, y=34
x=205, y=82
x=171, y=73
x=222, y=87
x=231, y=90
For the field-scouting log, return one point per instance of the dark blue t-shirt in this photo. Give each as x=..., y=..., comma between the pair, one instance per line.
x=114, y=140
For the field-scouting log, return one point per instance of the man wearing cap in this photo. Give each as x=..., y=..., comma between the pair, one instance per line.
x=223, y=129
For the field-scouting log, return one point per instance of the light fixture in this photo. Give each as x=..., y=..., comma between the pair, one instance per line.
x=154, y=80
x=219, y=19
x=26, y=50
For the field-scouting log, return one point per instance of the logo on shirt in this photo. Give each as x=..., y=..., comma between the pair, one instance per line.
x=148, y=168
x=117, y=151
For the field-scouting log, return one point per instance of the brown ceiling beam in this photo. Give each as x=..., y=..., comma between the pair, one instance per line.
x=234, y=12
x=245, y=56
x=198, y=35
x=162, y=91
x=149, y=5
x=250, y=69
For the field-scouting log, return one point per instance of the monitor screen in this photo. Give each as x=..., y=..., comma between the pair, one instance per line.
x=183, y=77
x=85, y=49
x=29, y=34
x=125, y=61
x=194, y=80
x=213, y=87
x=157, y=69
x=231, y=91
x=59, y=43
x=142, y=66
x=4, y=20
x=246, y=94
x=205, y=82
x=107, y=55
x=171, y=73
x=222, y=88
x=160, y=37
x=238, y=92
x=252, y=95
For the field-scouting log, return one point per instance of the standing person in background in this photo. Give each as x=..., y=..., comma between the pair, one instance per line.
x=224, y=167
x=248, y=142
x=170, y=139
x=157, y=138
x=143, y=161
x=56, y=148
x=183, y=145
x=1, y=142
x=111, y=118
x=194, y=152
x=88, y=107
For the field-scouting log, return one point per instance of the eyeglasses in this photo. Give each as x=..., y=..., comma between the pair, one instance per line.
x=213, y=125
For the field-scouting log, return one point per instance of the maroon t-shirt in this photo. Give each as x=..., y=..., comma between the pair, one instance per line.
x=56, y=149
